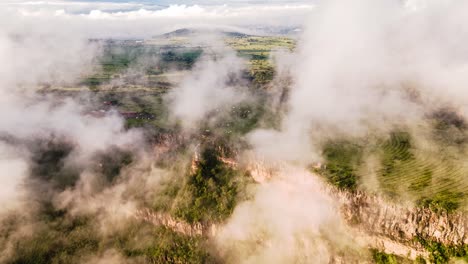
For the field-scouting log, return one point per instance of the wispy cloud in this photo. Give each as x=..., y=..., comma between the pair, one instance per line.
x=147, y=19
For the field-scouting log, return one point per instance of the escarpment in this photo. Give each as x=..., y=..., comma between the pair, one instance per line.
x=406, y=225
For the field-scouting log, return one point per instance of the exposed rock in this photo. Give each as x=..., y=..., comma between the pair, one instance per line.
x=378, y=223
x=176, y=225
x=377, y=216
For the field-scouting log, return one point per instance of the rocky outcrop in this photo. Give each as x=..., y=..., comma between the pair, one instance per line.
x=379, y=217
x=377, y=222
x=176, y=225
x=403, y=224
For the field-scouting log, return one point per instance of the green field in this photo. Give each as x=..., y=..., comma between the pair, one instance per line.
x=156, y=58
x=258, y=51
x=426, y=164
x=409, y=166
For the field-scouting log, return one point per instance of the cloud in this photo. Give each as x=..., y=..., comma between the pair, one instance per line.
x=76, y=7
x=349, y=76
x=214, y=85
x=354, y=64
x=31, y=58
x=283, y=223
x=13, y=168
x=100, y=20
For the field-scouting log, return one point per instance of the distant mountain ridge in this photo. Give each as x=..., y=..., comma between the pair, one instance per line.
x=188, y=32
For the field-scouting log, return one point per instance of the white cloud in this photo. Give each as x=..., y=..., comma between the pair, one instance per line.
x=105, y=19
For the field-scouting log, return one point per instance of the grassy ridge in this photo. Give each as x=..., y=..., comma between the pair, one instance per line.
x=342, y=161
x=76, y=241
x=211, y=191
x=429, y=175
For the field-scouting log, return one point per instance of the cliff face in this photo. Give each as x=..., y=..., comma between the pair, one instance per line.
x=166, y=220
x=390, y=227
x=377, y=217
x=379, y=223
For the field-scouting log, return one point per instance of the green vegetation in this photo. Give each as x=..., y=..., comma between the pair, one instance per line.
x=380, y=257
x=73, y=240
x=258, y=50
x=114, y=60
x=261, y=71
x=164, y=246
x=342, y=161
x=423, y=181
x=432, y=176
x=171, y=247
x=259, y=45
x=440, y=253
x=420, y=260
x=396, y=154
x=384, y=258
x=211, y=191
x=149, y=109
x=396, y=150
x=184, y=60
x=111, y=163
x=62, y=241
x=446, y=200
x=49, y=163
x=166, y=197
x=239, y=120
x=153, y=59
x=152, y=62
